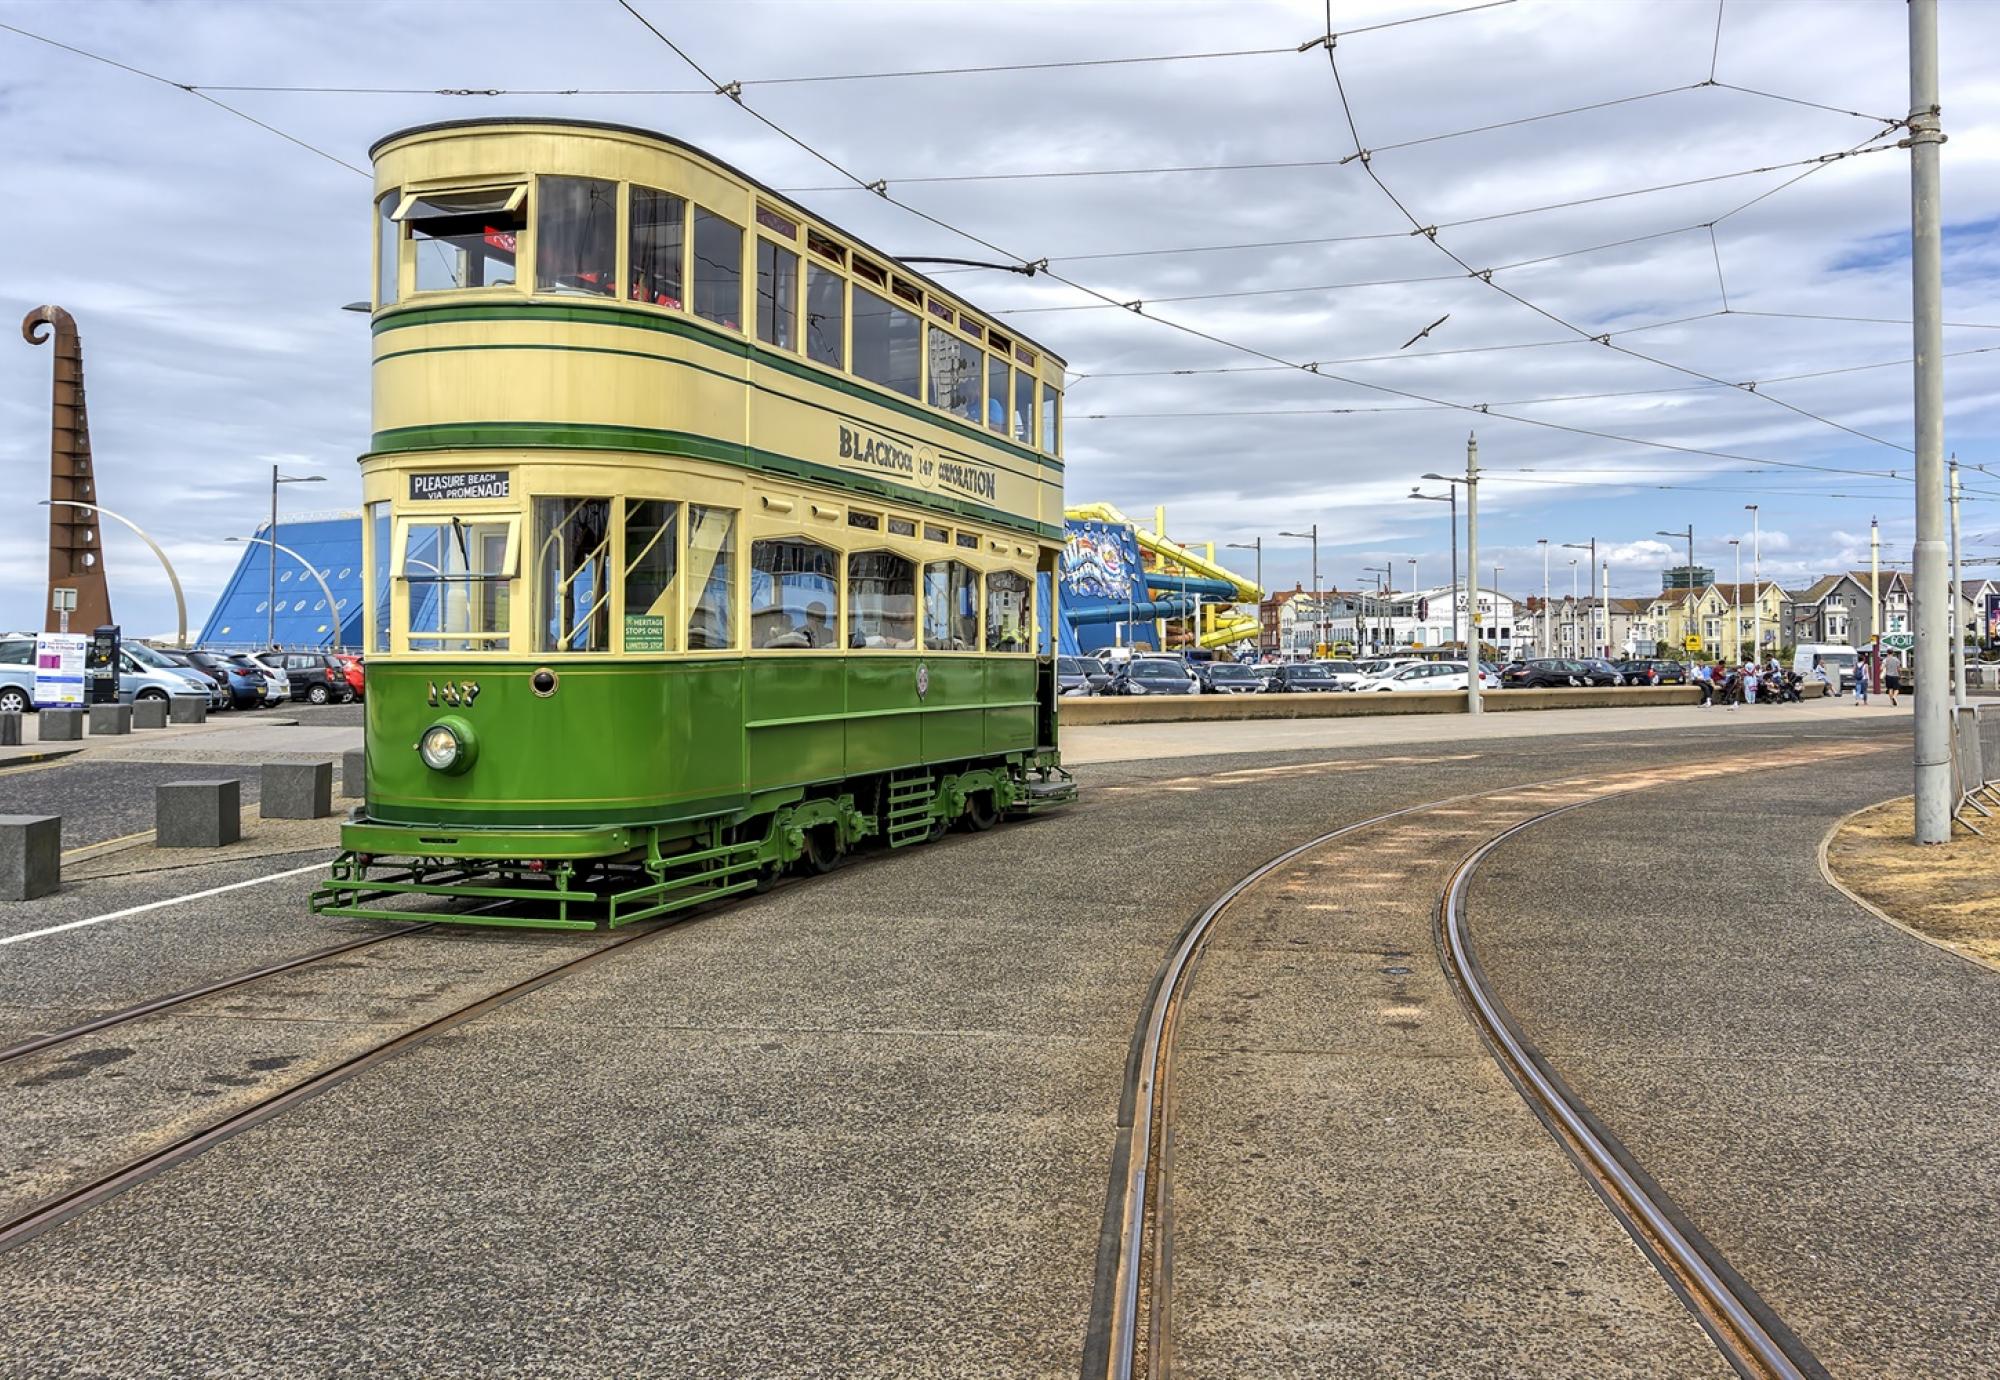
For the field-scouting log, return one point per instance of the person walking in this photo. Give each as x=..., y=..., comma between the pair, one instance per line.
x=1861, y=681
x=1892, y=676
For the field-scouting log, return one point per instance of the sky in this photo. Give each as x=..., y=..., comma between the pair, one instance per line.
x=207, y=258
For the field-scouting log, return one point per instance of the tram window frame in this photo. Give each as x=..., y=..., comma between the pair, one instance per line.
x=902, y=527
x=826, y=328
x=484, y=596
x=553, y=518
x=867, y=522
x=481, y=224
x=954, y=374
x=716, y=605
x=388, y=250
x=941, y=608
x=660, y=577
x=647, y=248
x=881, y=349
x=941, y=535
x=1051, y=419
x=969, y=540
x=378, y=539
x=1024, y=408
x=789, y=592
x=713, y=285
x=576, y=229
x=894, y=628
x=997, y=372
x=1010, y=583
x=777, y=295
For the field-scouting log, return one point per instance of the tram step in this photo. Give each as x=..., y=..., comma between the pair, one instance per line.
x=907, y=816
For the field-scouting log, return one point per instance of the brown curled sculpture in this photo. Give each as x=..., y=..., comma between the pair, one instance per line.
x=76, y=556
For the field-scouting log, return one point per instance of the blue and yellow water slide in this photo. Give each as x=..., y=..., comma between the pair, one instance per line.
x=1122, y=584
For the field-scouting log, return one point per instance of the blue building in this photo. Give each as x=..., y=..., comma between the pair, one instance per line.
x=242, y=619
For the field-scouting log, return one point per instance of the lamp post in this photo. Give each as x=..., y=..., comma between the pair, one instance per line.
x=1688, y=630
x=1378, y=571
x=1736, y=603
x=1575, y=642
x=1548, y=635
x=1450, y=495
x=1256, y=544
x=1497, y=568
x=1957, y=593
x=180, y=603
x=333, y=608
x=1471, y=482
x=1319, y=597
x=271, y=600
x=1591, y=547
x=1413, y=591
x=1757, y=580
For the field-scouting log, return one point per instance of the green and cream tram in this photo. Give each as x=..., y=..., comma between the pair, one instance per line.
x=703, y=539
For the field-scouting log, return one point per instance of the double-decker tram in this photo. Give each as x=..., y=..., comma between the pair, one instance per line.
x=703, y=540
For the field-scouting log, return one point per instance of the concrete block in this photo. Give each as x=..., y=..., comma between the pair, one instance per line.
x=198, y=814
x=10, y=728
x=189, y=709
x=296, y=790
x=149, y=714
x=30, y=856
x=354, y=773
x=59, y=725
x=110, y=720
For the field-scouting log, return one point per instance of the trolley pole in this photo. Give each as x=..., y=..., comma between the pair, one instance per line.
x=1472, y=567
x=1957, y=593
x=1933, y=707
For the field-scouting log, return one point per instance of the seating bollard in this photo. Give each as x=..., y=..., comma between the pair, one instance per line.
x=149, y=714
x=110, y=720
x=197, y=814
x=30, y=856
x=354, y=773
x=59, y=725
x=188, y=709
x=296, y=790
x=10, y=728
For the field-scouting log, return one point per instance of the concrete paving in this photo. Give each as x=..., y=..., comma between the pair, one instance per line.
x=1817, y=1089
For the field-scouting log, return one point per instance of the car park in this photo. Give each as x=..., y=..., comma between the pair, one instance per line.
x=1152, y=676
x=1226, y=678
x=316, y=677
x=1300, y=677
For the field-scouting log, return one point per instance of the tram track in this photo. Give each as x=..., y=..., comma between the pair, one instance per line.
x=1130, y=1334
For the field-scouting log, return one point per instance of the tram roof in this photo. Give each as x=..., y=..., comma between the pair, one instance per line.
x=613, y=127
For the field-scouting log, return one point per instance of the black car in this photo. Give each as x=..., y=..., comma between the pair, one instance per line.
x=1073, y=675
x=316, y=677
x=1548, y=673
x=1226, y=678
x=1301, y=677
x=1598, y=671
x=1151, y=677
x=1651, y=671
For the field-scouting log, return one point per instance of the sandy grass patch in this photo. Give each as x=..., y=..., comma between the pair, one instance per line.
x=1948, y=893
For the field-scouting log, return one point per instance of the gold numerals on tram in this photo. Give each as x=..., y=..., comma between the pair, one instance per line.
x=459, y=695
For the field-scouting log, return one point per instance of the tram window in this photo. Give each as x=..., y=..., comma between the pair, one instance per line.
x=1009, y=615
x=902, y=527
x=936, y=533
x=651, y=562
x=824, y=247
x=1051, y=420
x=378, y=565
x=576, y=236
x=996, y=394
x=793, y=593
x=951, y=607
x=389, y=243
x=455, y=579
x=887, y=341
x=969, y=539
x=1024, y=407
x=826, y=316
x=881, y=600
x=571, y=576
x=869, y=521
x=954, y=374
x=711, y=555
x=658, y=231
x=464, y=239
x=777, y=296
x=718, y=269
x=868, y=272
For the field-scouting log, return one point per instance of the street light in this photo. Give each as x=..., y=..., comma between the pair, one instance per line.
x=1450, y=496
x=1548, y=636
x=271, y=600
x=1471, y=622
x=1757, y=580
x=1496, y=607
x=1736, y=603
x=1257, y=545
x=1688, y=631
x=1591, y=547
x=1575, y=642
x=333, y=607
x=1319, y=599
x=1378, y=571
x=180, y=604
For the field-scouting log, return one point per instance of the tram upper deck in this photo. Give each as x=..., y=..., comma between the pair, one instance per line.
x=557, y=285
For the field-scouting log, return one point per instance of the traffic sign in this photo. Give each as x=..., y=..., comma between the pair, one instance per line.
x=1691, y=643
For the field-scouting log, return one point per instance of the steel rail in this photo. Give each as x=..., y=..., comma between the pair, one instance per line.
x=1743, y=1326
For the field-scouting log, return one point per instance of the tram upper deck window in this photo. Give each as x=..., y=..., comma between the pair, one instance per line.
x=951, y=607
x=794, y=591
x=652, y=561
x=455, y=576
x=887, y=343
x=659, y=239
x=1009, y=612
x=718, y=269
x=777, y=295
x=388, y=241
x=826, y=316
x=996, y=394
x=571, y=578
x=954, y=374
x=1051, y=420
x=881, y=600
x=576, y=236
x=464, y=238
x=711, y=559
x=1024, y=407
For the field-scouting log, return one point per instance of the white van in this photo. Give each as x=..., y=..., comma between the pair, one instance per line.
x=1837, y=657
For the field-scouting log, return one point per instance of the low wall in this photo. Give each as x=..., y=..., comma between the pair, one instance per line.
x=1160, y=709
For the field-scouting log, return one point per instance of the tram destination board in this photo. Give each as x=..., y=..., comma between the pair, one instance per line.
x=459, y=485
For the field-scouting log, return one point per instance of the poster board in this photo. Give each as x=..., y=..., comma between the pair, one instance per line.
x=59, y=669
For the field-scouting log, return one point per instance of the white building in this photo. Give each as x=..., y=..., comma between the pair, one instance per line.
x=1424, y=619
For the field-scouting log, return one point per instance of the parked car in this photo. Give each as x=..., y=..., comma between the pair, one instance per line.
x=357, y=672
x=17, y=674
x=1348, y=674
x=1544, y=673
x=1300, y=677
x=1151, y=676
x=247, y=686
x=316, y=677
x=145, y=673
x=1598, y=671
x=1226, y=678
x=1430, y=675
x=277, y=685
x=1079, y=675
x=1652, y=671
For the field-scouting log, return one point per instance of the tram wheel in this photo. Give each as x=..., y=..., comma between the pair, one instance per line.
x=981, y=813
x=822, y=851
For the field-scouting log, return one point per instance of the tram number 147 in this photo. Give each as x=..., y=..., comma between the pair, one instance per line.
x=455, y=696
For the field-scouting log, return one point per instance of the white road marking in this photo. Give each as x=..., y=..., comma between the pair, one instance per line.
x=156, y=905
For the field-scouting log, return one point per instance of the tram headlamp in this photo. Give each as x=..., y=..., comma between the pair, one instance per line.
x=448, y=746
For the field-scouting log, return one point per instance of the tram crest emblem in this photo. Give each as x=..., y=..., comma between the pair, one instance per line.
x=923, y=679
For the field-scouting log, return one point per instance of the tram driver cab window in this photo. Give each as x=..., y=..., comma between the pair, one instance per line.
x=576, y=236
x=1009, y=611
x=571, y=575
x=464, y=237
x=794, y=594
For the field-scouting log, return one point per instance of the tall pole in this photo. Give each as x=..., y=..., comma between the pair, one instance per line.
x=1605, y=602
x=1575, y=638
x=1603, y=643
x=1757, y=581
x=1471, y=662
x=1874, y=608
x=1472, y=569
x=1546, y=649
x=1957, y=593
x=271, y=557
x=1933, y=707
x=1452, y=489
x=1736, y=603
